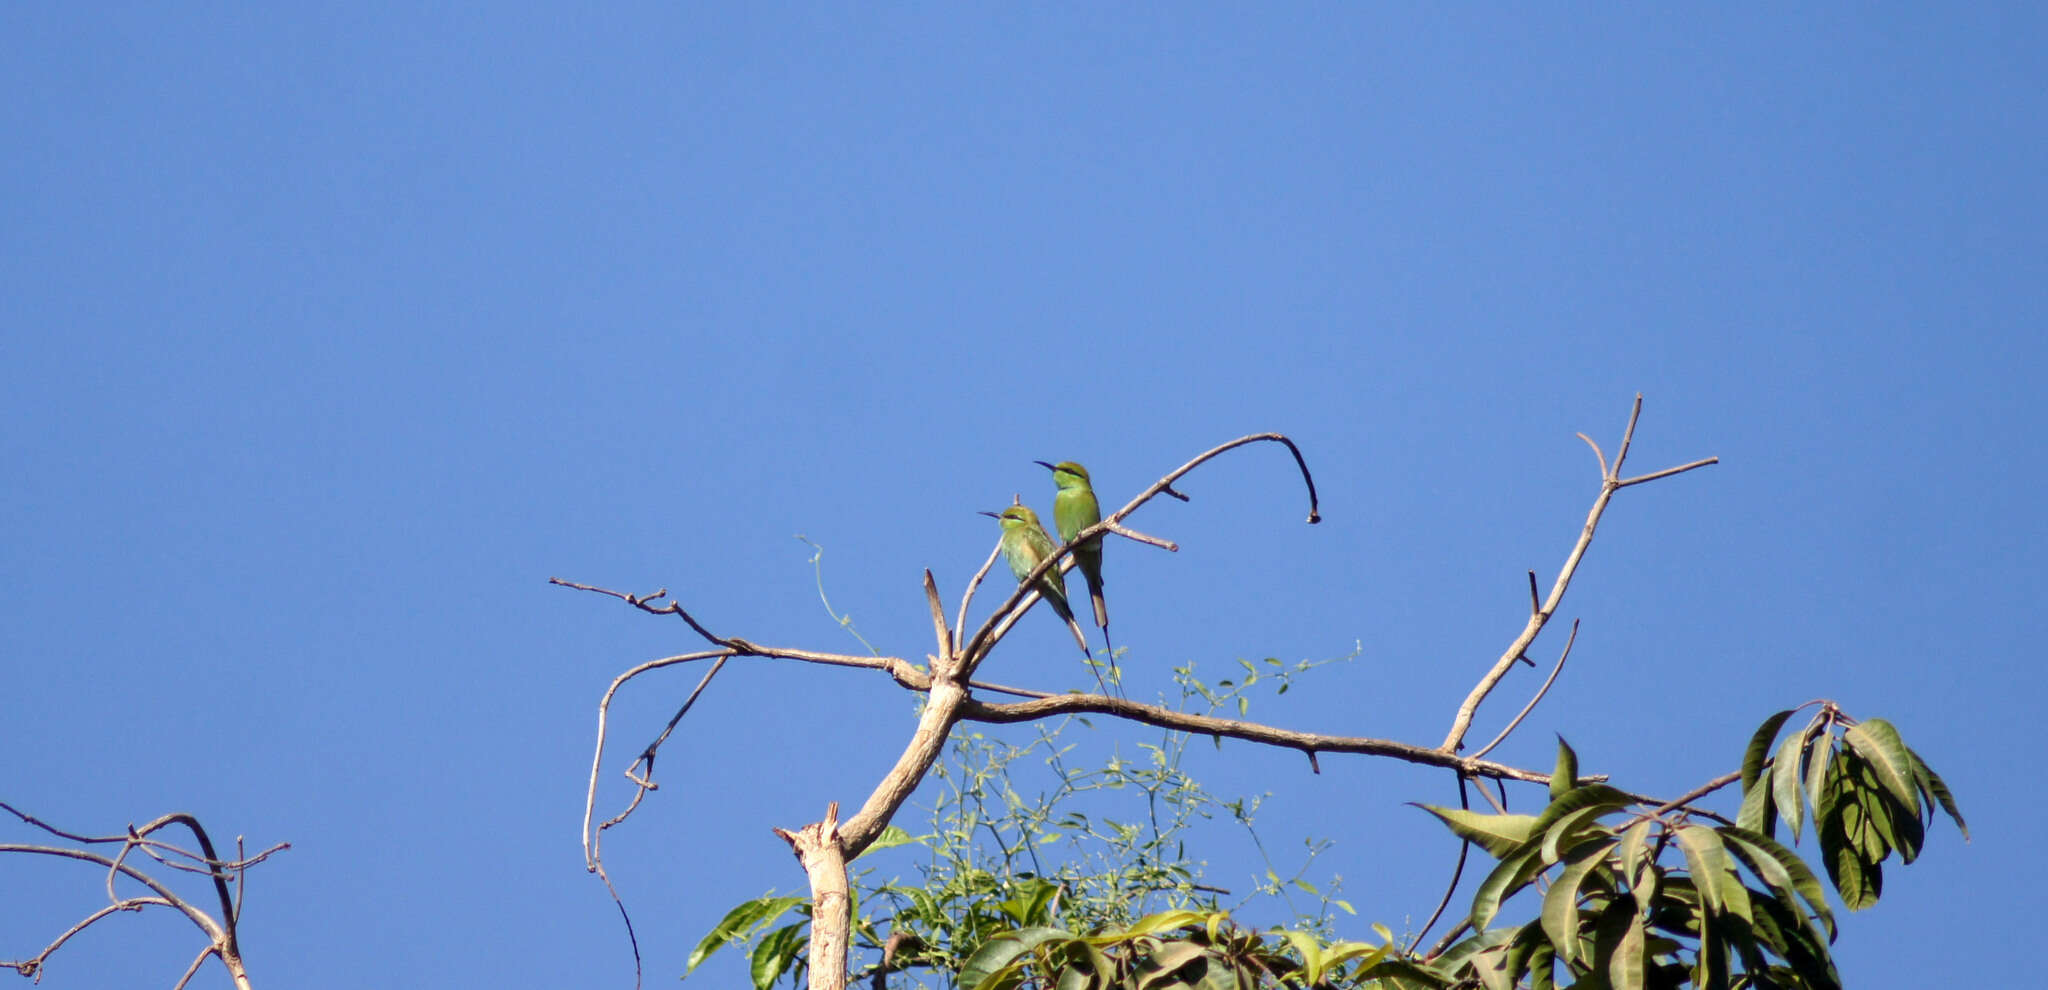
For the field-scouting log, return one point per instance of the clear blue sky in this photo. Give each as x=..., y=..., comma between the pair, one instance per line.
x=332, y=332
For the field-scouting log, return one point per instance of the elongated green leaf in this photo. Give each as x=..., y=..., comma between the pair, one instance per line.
x=996, y=961
x=1936, y=790
x=1543, y=968
x=1857, y=880
x=1626, y=969
x=1759, y=744
x=1700, y=861
x=1807, y=955
x=1710, y=963
x=1571, y=829
x=1407, y=974
x=1759, y=811
x=1820, y=764
x=737, y=924
x=1493, y=968
x=1497, y=834
x=1310, y=948
x=773, y=954
x=1165, y=921
x=1879, y=744
x=891, y=837
x=1606, y=936
x=1511, y=875
x=1560, y=916
x=1781, y=869
x=1102, y=970
x=1713, y=872
x=1161, y=965
x=1785, y=782
x=1904, y=827
x=1365, y=955
x=1566, y=775
x=1589, y=796
x=1527, y=942
x=1866, y=819
x=1634, y=851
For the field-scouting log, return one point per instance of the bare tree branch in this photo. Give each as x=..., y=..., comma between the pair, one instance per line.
x=1209, y=725
x=1610, y=482
x=222, y=932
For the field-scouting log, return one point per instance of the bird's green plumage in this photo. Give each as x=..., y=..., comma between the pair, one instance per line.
x=1025, y=543
x=1073, y=510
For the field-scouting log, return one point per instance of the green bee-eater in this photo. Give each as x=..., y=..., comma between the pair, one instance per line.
x=1073, y=510
x=1025, y=543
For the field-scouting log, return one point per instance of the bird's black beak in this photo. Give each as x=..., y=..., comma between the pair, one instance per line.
x=993, y=515
x=1044, y=465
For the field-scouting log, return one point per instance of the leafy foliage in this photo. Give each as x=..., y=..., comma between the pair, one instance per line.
x=1628, y=895
x=1661, y=897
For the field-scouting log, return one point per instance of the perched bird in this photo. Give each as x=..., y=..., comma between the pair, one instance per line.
x=1025, y=543
x=1073, y=510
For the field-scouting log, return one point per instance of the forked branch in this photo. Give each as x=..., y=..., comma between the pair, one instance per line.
x=1539, y=616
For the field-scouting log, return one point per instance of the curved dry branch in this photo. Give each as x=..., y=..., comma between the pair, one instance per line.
x=1309, y=743
x=222, y=933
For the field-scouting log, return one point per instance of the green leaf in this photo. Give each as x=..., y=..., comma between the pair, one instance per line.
x=1866, y=818
x=999, y=958
x=1785, y=782
x=1589, y=796
x=1543, y=968
x=1721, y=890
x=1608, y=932
x=1936, y=790
x=1165, y=921
x=1759, y=744
x=1625, y=968
x=891, y=837
x=1819, y=764
x=737, y=924
x=1103, y=970
x=1568, y=830
x=1407, y=974
x=1497, y=834
x=1169, y=959
x=773, y=954
x=1560, y=915
x=1311, y=951
x=1781, y=869
x=1879, y=744
x=1857, y=880
x=1566, y=775
x=1759, y=813
x=1511, y=875
x=1635, y=851
x=1367, y=956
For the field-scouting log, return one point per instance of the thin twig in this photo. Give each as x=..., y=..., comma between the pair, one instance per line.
x=1457, y=873
x=1667, y=472
x=1683, y=800
x=604, y=713
x=960, y=620
x=1540, y=692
